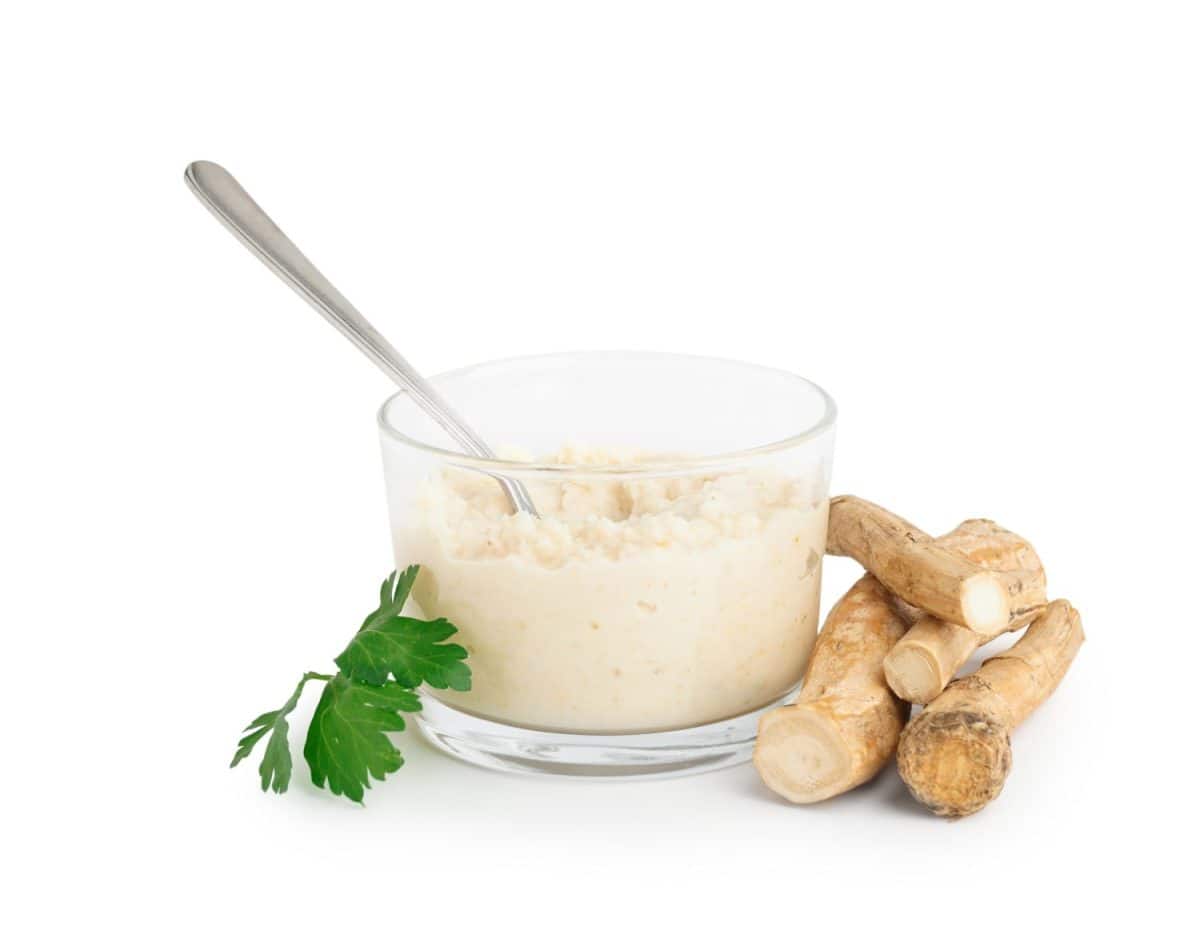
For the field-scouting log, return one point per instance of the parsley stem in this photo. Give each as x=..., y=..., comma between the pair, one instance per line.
x=295, y=698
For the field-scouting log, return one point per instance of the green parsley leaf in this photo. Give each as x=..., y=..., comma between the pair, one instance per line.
x=412, y=651
x=393, y=594
x=347, y=744
x=275, y=770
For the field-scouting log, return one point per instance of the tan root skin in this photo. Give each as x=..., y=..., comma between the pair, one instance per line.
x=845, y=724
x=923, y=572
x=955, y=756
x=927, y=657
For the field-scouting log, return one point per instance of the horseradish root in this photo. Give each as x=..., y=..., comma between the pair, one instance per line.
x=845, y=723
x=929, y=654
x=955, y=756
x=923, y=572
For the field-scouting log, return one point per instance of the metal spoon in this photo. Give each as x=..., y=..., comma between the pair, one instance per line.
x=232, y=205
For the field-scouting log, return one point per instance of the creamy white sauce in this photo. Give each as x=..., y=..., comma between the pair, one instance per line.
x=630, y=604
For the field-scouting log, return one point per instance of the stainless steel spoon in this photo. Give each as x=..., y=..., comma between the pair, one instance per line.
x=232, y=205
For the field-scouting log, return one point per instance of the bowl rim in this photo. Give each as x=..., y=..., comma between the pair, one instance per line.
x=509, y=467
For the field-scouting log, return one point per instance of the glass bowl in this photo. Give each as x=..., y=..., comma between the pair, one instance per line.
x=668, y=590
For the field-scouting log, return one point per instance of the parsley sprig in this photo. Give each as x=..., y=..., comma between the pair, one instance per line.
x=378, y=673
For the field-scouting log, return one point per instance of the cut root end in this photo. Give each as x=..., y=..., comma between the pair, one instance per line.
x=801, y=755
x=913, y=674
x=954, y=762
x=985, y=604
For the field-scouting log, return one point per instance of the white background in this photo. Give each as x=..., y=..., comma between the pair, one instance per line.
x=975, y=224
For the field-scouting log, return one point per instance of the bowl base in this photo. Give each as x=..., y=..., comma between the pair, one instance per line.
x=509, y=748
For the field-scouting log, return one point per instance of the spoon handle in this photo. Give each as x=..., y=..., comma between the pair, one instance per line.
x=234, y=207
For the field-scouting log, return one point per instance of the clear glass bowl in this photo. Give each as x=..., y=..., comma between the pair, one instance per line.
x=667, y=592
